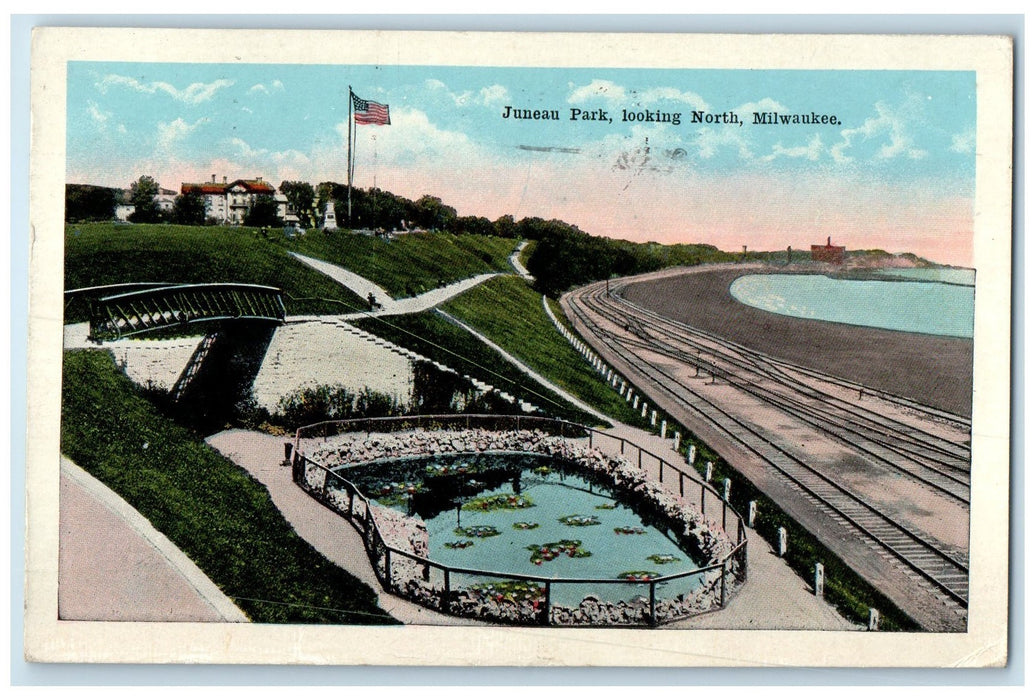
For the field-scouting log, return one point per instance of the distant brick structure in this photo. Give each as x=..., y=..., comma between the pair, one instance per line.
x=833, y=254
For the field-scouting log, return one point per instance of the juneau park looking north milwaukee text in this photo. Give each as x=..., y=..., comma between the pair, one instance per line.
x=656, y=116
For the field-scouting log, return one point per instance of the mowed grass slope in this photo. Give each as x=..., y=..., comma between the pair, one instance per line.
x=410, y=264
x=105, y=253
x=510, y=313
x=210, y=508
x=435, y=337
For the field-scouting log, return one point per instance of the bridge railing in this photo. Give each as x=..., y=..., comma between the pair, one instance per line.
x=119, y=311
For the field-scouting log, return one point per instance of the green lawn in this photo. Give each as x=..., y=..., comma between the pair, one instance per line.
x=410, y=264
x=106, y=253
x=510, y=313
x=209, y=507
x=435, y=337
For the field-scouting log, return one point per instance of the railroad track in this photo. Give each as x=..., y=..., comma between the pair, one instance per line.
x=935, y=462
x=923, y=456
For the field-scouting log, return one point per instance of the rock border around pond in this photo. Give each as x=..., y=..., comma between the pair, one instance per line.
x=411, y=578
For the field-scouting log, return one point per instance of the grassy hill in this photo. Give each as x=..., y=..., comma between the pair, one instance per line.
x=510, y=313
x=106, y=253
x=209, y=507
x=412, y=263
x=435, y=337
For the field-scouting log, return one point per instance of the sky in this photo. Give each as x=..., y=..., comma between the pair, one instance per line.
x=893, y=168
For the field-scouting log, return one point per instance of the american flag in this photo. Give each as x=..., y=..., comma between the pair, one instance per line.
x=367, y=112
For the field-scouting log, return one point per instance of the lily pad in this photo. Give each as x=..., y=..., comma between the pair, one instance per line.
x=579, y=520
x=662, y=558
x=638, y=575
x=552, y=550
x=477, y=531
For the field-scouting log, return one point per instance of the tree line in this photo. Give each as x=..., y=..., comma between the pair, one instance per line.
x=564, y=255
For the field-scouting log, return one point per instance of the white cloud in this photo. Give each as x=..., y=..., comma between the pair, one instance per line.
x=486, y=96
x=276, y=85
x=100, y=117
x=766, y=104
x=963, y=143
x=411, y=137
x=649, y=97
x=616, y=94
x=195, y=93
x=493, y=95
x=709, y=141
x=889, y=124
x=812, y=151
x=171, y=133
x=597, y=89
x=258, y=157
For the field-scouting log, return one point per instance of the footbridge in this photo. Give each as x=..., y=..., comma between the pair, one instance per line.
x=124, y=310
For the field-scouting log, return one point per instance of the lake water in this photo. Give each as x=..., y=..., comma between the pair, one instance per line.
x=931, y=307
x=613, y=539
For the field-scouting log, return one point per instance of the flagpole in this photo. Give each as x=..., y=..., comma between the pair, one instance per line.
x=348, y=165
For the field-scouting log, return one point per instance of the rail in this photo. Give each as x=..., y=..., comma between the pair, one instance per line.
x=527, y=599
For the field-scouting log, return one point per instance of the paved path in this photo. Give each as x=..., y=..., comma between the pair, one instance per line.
x=773, y=597
x=329, y=533
x=114, y=566
x=515, y=262
x=389, y=306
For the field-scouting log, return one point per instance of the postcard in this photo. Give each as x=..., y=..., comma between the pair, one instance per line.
x=492, y=349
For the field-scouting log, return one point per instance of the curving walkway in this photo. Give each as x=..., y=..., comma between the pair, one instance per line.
x=113, y=565
x=515, y=262
x=389, y=306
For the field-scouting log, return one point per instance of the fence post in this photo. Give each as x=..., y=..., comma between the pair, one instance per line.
x=722, y=586
x=681, y=477
x=546, y=605
x=653, y=605
x=661, y=472
x=752, y=513
x=702, y=499
x=708, y=471
x=874, y=620
x=388, y=568
x=352, y=496
x=818, y=580
x=782, y=550
x=726, y=485
x=445, y=594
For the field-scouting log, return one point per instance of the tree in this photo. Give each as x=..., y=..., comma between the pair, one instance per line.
x=142, y=195
x=433, y=214
x=90, y=203
x=189, y=209
x=505, y=226
x=263, y=212
x=300, y=196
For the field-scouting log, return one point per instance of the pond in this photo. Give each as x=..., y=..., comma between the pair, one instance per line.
x=529, y=514
x=932, y=307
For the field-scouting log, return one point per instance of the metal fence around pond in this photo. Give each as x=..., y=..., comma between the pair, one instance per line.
x=519, y=598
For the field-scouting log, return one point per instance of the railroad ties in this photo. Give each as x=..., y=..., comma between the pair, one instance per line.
x=646, y=347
